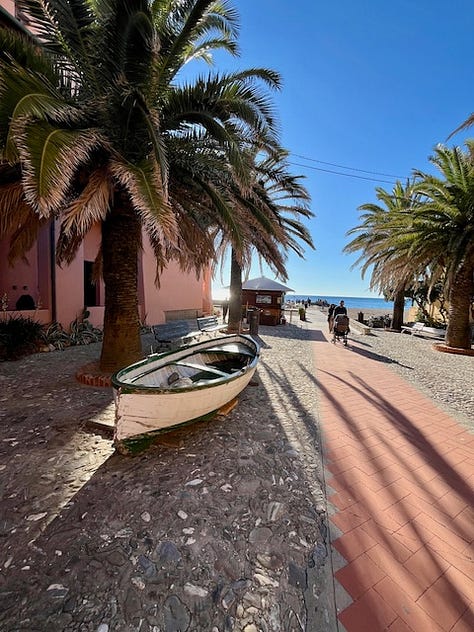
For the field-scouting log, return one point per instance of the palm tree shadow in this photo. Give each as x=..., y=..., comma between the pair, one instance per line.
x=404, y=426
x=277, y=374
x=426, y=450
x=371, y=355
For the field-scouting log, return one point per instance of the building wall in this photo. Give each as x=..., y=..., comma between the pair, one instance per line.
x=179, y=294
x=22, y=279
x=8, y=5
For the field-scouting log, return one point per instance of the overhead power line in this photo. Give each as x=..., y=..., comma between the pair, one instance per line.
x=340, y=173
x=332, y=164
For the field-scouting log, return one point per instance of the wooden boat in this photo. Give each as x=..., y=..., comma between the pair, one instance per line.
x=190, y=383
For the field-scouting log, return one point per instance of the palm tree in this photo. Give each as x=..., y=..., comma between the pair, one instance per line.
x=380, y=237
x=235, y=291
x=93, y=120
x=434, y=235
x=443, y=238
x=276, y=202
x=260, y=215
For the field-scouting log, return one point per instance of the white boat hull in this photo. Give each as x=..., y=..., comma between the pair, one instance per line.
x=141, y=413
x=145, y=403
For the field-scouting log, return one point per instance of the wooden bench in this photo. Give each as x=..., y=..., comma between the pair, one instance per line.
x=412, y=329
x=420, y=329
x=173, y=334
x=208, y=324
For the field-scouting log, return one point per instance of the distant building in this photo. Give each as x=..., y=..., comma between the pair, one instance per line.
x=266, y=295
x=61, y=294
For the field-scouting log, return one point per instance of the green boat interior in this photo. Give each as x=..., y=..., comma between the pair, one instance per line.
x=199, y=368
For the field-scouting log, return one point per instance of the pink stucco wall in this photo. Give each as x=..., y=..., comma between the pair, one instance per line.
x=22, y=275
x=70, y=290
x=8, y=5
x=177, y=291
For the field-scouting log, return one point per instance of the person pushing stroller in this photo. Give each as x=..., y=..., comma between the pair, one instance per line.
x=340, y=324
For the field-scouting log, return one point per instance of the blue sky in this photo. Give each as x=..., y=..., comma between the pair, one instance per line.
x=368, y=85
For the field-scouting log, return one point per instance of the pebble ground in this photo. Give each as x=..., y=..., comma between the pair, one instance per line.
x=220, y=526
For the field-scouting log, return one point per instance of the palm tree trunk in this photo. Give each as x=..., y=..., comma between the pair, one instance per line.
x=458, y=333
x=235, y=301
x=121, y=235
x=398, y=309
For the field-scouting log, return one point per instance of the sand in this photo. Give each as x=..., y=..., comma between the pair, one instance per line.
x=353, y=312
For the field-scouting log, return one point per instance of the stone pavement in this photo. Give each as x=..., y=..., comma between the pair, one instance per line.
x=400, y=476
x=220, y=526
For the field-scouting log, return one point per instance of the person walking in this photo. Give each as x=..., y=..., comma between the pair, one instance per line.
x=340, y=309
x=331, y=309
x=340, y=322
x=225, y=309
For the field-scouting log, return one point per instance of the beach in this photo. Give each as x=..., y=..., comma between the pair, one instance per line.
x=353, y=312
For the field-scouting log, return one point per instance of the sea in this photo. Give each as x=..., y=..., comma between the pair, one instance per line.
x=351, y=302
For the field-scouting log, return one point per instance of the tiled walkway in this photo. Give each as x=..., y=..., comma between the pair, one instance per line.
x=400, y=474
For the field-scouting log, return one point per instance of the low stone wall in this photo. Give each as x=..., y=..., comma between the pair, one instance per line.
x=360, y=328
x=181, y=314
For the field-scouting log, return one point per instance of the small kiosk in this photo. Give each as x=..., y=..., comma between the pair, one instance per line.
x=267, y=296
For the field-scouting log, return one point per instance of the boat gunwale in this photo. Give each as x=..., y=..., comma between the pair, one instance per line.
x=129, y=387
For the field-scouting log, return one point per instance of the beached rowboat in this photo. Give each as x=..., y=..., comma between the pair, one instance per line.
x=169, y=389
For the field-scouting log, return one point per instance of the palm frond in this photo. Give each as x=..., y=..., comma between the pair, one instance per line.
x=51, y=158
x=469, y=122
x=91, y=205
x=19, y=224
x=27, y=94
x=143, y=183
x=62, y=27
x=189, y=26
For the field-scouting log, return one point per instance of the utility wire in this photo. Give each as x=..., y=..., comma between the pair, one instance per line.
x=340, y=173
x=332, y=164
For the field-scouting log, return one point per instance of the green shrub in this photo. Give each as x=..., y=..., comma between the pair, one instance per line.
x=19, y=336
x=82, y=332
x=54, y=334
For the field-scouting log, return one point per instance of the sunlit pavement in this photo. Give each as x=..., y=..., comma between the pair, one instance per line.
x=400, y=479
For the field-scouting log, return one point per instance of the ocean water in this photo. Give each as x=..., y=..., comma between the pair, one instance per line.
x=351, y=302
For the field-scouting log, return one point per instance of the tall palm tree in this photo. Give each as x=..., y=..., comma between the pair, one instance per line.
x=91, y=122
x=274, y=204
x=435, y=235
x=261, y=215
x=443, y=238
x=380, y=237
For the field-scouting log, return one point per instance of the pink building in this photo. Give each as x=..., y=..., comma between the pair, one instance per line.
x=62, y=293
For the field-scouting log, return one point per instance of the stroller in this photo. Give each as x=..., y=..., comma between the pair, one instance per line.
x=340, y=329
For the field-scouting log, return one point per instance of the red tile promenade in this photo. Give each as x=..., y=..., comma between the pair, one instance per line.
x=400, y=477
